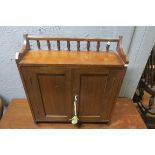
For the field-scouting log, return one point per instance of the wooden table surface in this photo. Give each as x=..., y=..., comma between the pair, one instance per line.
x=125, y=115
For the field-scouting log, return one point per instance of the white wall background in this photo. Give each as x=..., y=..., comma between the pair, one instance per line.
x=11, y=40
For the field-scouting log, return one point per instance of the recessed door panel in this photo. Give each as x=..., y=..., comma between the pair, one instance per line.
x=92, y=88
x=53, y=92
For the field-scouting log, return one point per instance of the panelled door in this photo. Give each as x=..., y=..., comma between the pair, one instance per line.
x=96, y=90
x=49, y=92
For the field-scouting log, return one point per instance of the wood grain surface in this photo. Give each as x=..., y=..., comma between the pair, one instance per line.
x=44, y=57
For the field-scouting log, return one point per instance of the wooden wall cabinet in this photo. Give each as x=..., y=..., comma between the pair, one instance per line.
x=52, y=79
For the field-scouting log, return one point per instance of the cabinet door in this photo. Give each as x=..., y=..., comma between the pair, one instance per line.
x=49, y=92
x=97, y=90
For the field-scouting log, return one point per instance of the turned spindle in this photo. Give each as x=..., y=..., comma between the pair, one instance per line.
x=88, y=45
x=98, y=45
x=78, y=45
x=38, y=44
x=48, y=45
x=68, y=45
x=58, y=45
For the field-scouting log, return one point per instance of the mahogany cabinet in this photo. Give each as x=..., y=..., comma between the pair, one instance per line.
x=54, y=79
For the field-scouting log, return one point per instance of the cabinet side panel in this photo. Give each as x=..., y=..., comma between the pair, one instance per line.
x=112, y=90
x=34, y=99
x=25, y=89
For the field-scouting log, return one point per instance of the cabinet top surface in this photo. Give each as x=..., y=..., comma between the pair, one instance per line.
x=72, y=58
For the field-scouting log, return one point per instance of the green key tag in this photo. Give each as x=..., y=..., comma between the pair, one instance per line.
x=75, y=120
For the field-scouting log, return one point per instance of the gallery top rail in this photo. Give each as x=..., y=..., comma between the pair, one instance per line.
x=68, y=40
